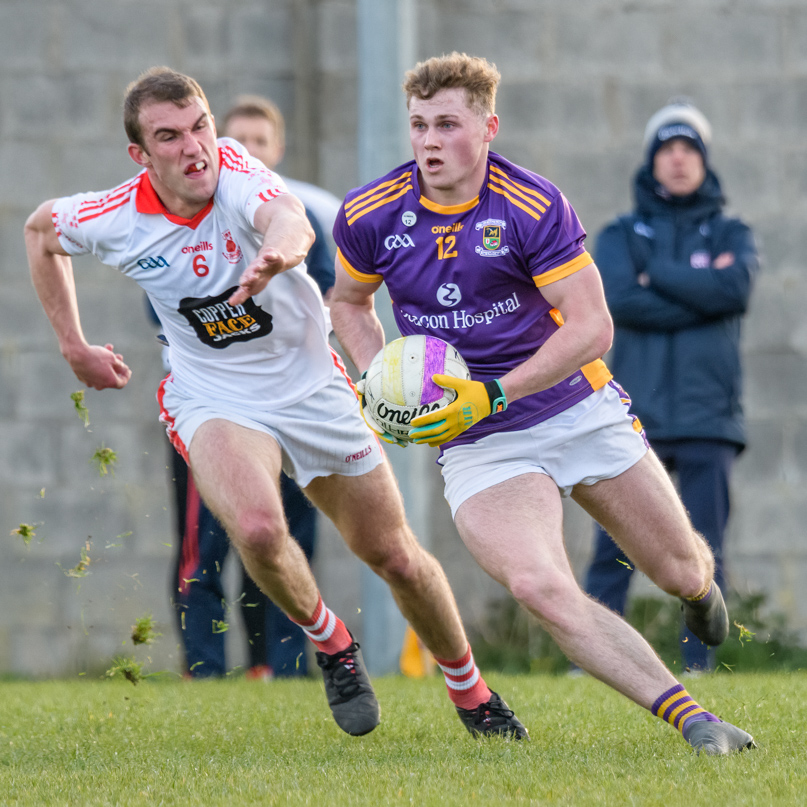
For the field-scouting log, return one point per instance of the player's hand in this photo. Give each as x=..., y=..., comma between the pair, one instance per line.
x=267, y=263
x=475, y=400
x=382, y=435
x=100, y=367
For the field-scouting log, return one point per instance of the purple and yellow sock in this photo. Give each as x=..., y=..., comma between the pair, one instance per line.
x=678, y=708
x=703, y=596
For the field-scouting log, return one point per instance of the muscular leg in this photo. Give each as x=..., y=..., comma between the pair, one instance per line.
x=368, y=512
x=237, y=472
x=514, y=530
x=641, y=510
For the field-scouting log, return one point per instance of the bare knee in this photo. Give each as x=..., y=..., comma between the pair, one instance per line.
x=687, y=572
x=260, y=534
x=397, y=561
x=555, y=599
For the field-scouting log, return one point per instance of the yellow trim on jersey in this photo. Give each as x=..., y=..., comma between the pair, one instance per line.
x=361, y=198
x=355, y=273
x=512, y=199
x=407, y=186
x=597, y=374
x=520, y=191
x=496, y=170
x=448, y=210
x=564, y=270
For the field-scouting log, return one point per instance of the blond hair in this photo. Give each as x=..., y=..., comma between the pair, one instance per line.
x=156, y=85
x=476, y=75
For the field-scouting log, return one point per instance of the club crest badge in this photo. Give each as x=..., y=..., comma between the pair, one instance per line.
x=232, y=250
x=492, y=238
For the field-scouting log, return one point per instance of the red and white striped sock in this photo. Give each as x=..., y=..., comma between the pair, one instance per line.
x=326, y=630
x=466, y=687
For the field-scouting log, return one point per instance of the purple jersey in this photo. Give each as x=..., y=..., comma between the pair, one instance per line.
x=472, y=274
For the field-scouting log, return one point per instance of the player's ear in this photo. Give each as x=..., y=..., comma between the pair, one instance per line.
x=139, y=155
x=491, y=127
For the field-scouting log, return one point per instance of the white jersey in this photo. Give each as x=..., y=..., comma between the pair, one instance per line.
x=267, y=353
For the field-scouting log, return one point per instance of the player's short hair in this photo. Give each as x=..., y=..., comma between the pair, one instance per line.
x=256, y=106
x=156, y=85
x=479, y=77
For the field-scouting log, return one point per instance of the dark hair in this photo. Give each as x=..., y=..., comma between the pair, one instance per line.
x=156, y=85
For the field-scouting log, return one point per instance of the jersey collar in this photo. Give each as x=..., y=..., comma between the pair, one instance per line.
x=147, y=201
x=446, y=210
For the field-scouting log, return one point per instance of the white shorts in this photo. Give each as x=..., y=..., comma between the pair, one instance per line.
x=594, y=439
x=320, y=435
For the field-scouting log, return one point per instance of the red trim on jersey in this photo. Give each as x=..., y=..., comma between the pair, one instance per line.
x=148, y=202
x=112, y=201
x=340, y=365
x=233, y=160
x=189, y=562
x=166, y=418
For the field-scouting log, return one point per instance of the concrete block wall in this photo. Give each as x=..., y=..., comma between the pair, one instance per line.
x=579, y=82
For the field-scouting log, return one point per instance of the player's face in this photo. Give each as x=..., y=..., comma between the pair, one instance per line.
x=181, y=154
x=258, y=137
x=678, y=166
x=450, y=141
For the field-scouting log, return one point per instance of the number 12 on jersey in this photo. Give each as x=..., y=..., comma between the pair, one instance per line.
x=446, y=247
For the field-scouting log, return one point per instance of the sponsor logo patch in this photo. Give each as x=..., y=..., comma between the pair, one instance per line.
x=219, y=324
x=449, y=294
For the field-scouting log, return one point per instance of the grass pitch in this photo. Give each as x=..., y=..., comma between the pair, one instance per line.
x=238, y=742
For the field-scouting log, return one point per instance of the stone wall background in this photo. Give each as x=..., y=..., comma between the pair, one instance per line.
x=580, y=81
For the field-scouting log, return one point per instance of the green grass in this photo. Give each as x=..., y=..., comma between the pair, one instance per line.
x=235, y=742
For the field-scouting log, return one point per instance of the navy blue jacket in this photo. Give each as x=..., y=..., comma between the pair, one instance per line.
x=677, y=319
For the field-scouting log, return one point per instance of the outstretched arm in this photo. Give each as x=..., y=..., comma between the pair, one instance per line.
x=52, y=275
x=287, y=237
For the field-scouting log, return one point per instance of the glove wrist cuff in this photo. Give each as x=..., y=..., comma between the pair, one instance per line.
x=498, y=401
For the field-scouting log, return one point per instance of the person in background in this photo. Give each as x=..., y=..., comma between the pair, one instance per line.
x=258, y=124
x=276, y=646
x=678, y=274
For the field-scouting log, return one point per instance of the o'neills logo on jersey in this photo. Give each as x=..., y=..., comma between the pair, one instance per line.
x=205, y=246
x=219, y=324
x=231, y=250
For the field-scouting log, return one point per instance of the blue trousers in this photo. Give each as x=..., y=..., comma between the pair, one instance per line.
x=703, y=470
x=198, y=594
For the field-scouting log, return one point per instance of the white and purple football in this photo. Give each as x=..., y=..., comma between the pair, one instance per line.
x=399, y=386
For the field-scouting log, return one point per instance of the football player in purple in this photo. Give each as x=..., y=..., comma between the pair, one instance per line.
x=490, y=257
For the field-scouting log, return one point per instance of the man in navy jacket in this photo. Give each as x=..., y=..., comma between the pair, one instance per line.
x=678, y=275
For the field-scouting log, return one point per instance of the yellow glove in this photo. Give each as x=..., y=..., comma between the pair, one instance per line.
x=475, y=400
x=382, y=435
